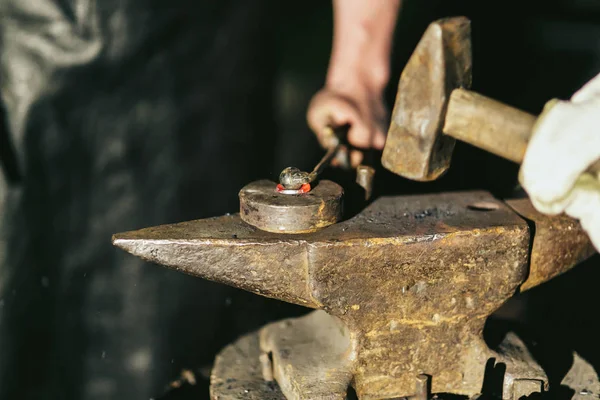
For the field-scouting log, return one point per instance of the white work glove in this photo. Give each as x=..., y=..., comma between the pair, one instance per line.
x=564, y=144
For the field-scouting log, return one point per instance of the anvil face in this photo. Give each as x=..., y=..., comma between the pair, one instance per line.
x=227, y=250
x=412, y=279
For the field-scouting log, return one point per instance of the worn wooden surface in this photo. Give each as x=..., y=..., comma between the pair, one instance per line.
x=488, y=124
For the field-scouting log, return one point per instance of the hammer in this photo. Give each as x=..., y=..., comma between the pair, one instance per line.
x=434, y=107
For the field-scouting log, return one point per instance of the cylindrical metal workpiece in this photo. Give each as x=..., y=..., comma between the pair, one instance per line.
x=262, y=206
x=422, y=387
x=364, y=177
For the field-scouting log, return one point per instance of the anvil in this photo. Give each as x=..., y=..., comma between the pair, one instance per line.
x=406, y=287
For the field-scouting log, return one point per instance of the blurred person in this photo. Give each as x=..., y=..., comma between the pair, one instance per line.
x=121, y=115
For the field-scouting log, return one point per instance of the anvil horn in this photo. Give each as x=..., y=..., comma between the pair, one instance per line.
x=227, y=250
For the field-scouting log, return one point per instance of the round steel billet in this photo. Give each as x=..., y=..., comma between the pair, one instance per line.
x=263, y=207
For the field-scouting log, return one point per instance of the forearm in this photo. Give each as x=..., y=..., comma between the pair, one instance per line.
x=362, y=40
x=359, y=70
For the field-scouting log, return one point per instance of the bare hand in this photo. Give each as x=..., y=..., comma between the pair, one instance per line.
x=363, y=111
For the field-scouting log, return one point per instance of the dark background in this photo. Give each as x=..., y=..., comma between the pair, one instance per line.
x=181, y=105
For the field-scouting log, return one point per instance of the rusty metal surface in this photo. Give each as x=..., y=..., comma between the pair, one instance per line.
x=365, y=175
x=559, y=243
x=582, y=379
x=263, y=207
x=410, y=277
x=415, y=146
x=307, y=351
x=311, y=361
x=237, y=373
x=523, y=375
x=227, y=250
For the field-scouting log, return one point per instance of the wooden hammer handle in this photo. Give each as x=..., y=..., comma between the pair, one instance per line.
x=488, y=124
x=492, y=126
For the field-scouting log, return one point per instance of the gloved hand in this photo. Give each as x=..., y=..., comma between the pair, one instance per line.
x=558, y=171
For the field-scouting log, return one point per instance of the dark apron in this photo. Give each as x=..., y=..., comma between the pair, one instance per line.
x=120, y=115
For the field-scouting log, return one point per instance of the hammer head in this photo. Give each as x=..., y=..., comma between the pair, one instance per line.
x=416, y=147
